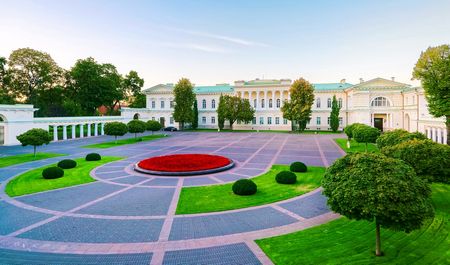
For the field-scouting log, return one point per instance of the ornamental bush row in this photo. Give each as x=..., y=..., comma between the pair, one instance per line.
x=58, y=172
x=398, y=136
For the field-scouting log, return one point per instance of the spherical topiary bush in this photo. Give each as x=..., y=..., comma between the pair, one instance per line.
x=298, y=167
x=244, y=187
x=52, y=173
x=286, y=177
x=93, y=157
x=67, y=163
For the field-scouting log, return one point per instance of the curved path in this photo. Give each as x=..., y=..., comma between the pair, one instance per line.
x=129, y=218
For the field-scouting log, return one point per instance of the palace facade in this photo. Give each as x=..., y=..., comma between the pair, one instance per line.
x=382, y=103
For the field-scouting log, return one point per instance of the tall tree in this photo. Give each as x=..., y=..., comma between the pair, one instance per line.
x=234, y=108
x=334, y=116
x=298, y=109
x=184, y=101
x=433, y=70
x=373, y=187
x=221, y=112
x=195, y=120
x=5, y=94
x=31, y=73
x=132, y=85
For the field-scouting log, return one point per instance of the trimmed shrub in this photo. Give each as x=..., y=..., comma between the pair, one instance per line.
x=348, y=130
x=52, y=173
x=298, y=167
x=365, y=134
x=430, y=160
x=67, y=163
x=153, y=126
x=93, y=157
x=397, y=136
x=286, y=177
x=244, y=187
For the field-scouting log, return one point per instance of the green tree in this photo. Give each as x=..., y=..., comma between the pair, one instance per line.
x=31, y=72
x=153, y=126
x=184, y=101
x=373, y=187
x=298, y=109
x=138, y=101
x=397, y=136
x=5, y=93
x=132, y=85
x=221, y=112
x=365, y=134
x=234, y=108
x=34, y=137
x=116, y=129
x=195, y=120
x=334, y=116
x=136, y=126
x=433, y=70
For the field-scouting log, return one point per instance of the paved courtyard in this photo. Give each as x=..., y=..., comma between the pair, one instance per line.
x=129, y=218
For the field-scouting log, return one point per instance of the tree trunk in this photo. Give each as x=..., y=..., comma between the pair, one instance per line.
x=447, y=122
x=231, y=125
x=135, y=135
x=34, y=151
x=181, y=126
x=115, y=139
x=378, y=240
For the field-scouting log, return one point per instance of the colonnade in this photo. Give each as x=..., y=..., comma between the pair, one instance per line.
x=89, y=132
x=437, y=134
x=266, y=99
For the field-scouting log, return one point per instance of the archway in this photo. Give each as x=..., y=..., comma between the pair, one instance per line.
x=407, y=122
x=136, y=116
x=2, y=129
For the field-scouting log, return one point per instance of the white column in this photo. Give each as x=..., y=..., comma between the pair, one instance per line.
x=281, y=98
x=266, y=101
x=433, y=134
x=89, y=130
x=64, y=132
x=445, y=136
x=74, y=134
x=103, y=129
x=250, y=98
x=81, y=130
x=96, y=129
x=274, y=104
x=257, y=99
x=55, y=133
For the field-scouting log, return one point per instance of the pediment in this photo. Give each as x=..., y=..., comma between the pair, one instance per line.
x=380, y=83
x=158, y=89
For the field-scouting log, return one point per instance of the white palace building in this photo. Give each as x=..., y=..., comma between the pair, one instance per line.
x=382, y=103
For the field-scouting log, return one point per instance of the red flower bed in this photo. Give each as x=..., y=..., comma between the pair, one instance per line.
x=184, y=162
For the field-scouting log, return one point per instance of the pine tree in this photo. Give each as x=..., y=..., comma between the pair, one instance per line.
x=195, y=120
x=334, y=116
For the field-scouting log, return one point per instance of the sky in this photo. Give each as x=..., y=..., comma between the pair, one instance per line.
x=213, y=41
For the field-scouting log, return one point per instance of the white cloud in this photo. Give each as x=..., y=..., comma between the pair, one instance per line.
x=195, y=46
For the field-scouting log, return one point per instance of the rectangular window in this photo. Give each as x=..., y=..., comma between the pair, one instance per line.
x=328, y=120
x=285, y=121
x=203, y=120
x=277, y=120
x=153, y=104
x=162, y=104
x=238, y=122
x=171, y=104
x=254, y=120
x=318, y=103
x=213, y=120
x=153, y=118
x=318, y=120
x=261, y=120
x=171, y=120
x=269, y=120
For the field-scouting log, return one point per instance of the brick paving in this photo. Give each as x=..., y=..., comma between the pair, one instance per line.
x=129, y=218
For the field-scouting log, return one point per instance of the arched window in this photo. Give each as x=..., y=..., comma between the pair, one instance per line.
x=262, y=103
x=329, y=102
x=278, y=103
x=380, y=102
x=204, y=104
x=213, y=103
x=270, y=103
x=318, y=103
x=340, y=102
x=136, y=116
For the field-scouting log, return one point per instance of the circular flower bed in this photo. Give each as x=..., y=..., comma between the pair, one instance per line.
x=184, y=164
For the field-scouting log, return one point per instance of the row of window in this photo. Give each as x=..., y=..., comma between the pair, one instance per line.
x=162, y=104
x=329, y=103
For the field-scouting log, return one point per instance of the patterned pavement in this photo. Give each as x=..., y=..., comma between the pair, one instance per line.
x=129, y=218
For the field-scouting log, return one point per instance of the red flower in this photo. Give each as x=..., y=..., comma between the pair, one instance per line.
x=184, y=162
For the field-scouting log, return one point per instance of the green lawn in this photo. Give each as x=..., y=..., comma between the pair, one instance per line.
x=125, y=141
x=355, y=146
x=353, y=242
x=19, y=159
x=221, y=198
x=32, y=181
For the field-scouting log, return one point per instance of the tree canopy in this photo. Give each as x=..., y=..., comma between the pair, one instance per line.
x=234, y=108
x=184, y=101
x=34, y=137
x=136, y=126
x=373, y=187
x=334, y=116
x=298, y=109
x=433, y=70
x=116, y=129
x=153, y=126
x=195, y=119
x=365, y=134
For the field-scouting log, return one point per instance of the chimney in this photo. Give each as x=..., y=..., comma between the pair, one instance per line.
x=343, y=81
x=361, y=80
x=393, y=78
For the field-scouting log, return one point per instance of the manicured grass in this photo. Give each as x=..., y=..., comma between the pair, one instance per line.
x=19, y=159
x=221, y=198
x=353, y=242
x=32, y=181
x=126, y=141
x=355, y=146
x=264, y=131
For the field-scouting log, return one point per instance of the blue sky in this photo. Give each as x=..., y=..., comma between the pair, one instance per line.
x=223, y=41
